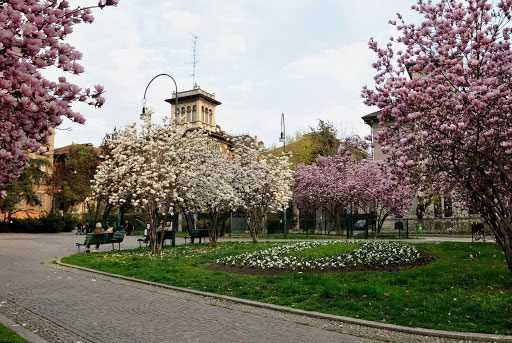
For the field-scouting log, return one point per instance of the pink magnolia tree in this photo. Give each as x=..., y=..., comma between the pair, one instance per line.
x=32, y=34
x=346, y=180
x=373, y=185
x=449, y=125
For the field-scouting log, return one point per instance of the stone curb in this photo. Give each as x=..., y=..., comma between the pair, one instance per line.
x=21, y=331
x=439, y=334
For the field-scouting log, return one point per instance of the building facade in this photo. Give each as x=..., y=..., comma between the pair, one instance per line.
x=43, y=190
x=196, y=108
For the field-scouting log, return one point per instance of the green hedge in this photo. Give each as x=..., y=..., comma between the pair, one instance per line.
x=48, y=224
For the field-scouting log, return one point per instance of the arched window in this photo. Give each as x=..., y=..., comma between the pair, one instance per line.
x=194, y=113
x=182, y=117
x=189, y=114
x=211, y=118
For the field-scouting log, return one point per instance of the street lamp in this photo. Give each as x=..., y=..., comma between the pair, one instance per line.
x=282, y=138
x=145, y=116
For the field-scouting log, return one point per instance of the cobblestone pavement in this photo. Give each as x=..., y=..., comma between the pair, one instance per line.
x=65, y=305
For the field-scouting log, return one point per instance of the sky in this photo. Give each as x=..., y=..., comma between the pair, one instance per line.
x=306, y=58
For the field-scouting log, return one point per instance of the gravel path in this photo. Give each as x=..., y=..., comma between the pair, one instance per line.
x=64, y=305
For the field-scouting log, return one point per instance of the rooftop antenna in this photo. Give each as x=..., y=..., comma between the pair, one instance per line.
x=194, y=63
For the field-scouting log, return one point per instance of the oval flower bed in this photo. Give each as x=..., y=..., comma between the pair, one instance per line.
x=369, y=255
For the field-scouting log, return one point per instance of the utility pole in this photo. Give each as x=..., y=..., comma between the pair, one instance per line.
x=282, y=138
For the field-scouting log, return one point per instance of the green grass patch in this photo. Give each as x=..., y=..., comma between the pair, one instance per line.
x=466, y=288
x=9, y=336
x=299, y=235
x=334, y=249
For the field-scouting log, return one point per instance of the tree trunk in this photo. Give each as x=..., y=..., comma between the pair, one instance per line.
x=382, y=214
x=155, y=238
x=189, y=218
x=106, y=213
x=256, y=222
x=502, y=229
x=212, y=229
x=221, y=231
x=296, y=217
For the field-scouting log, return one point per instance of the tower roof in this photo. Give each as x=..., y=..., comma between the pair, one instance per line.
x=194, y=94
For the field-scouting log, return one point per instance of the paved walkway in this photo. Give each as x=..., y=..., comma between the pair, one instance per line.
x=64, y=305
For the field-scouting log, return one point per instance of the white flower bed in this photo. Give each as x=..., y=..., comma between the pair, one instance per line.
x=371, y=254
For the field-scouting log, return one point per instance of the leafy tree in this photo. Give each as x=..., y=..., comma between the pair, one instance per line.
x=304, y=148
x=23, y=189
x=324, y=140
x=73, y=176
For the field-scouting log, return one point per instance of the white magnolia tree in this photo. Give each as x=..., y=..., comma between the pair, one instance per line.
x=206, y=185
x=158, y=169
x=263, y=182
x=142, y=169
x=212, y=191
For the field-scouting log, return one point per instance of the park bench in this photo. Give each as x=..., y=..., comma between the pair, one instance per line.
x=196, y=233
x=169, y=235
x=103, y=238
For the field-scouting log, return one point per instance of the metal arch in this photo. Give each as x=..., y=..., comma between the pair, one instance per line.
x=151, y=81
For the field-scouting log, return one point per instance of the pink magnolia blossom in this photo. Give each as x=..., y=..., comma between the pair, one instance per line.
x=32, y=34
x=345, y=181
x=446, y=104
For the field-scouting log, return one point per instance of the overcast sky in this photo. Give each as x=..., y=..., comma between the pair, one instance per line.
x=306, y=58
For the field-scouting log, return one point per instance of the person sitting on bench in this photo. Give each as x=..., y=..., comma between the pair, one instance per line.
x=97, y=231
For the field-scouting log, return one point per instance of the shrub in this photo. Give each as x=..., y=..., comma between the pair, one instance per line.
x=48, y=224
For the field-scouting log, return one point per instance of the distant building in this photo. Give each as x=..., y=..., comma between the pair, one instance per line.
x=197, y=109
x=43, y=190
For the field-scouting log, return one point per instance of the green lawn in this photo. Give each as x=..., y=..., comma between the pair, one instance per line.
x=8, y=336
x=454, y=292
x=326, y=250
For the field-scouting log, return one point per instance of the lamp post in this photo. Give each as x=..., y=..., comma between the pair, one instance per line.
x=147, y=117
x=282, y=138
